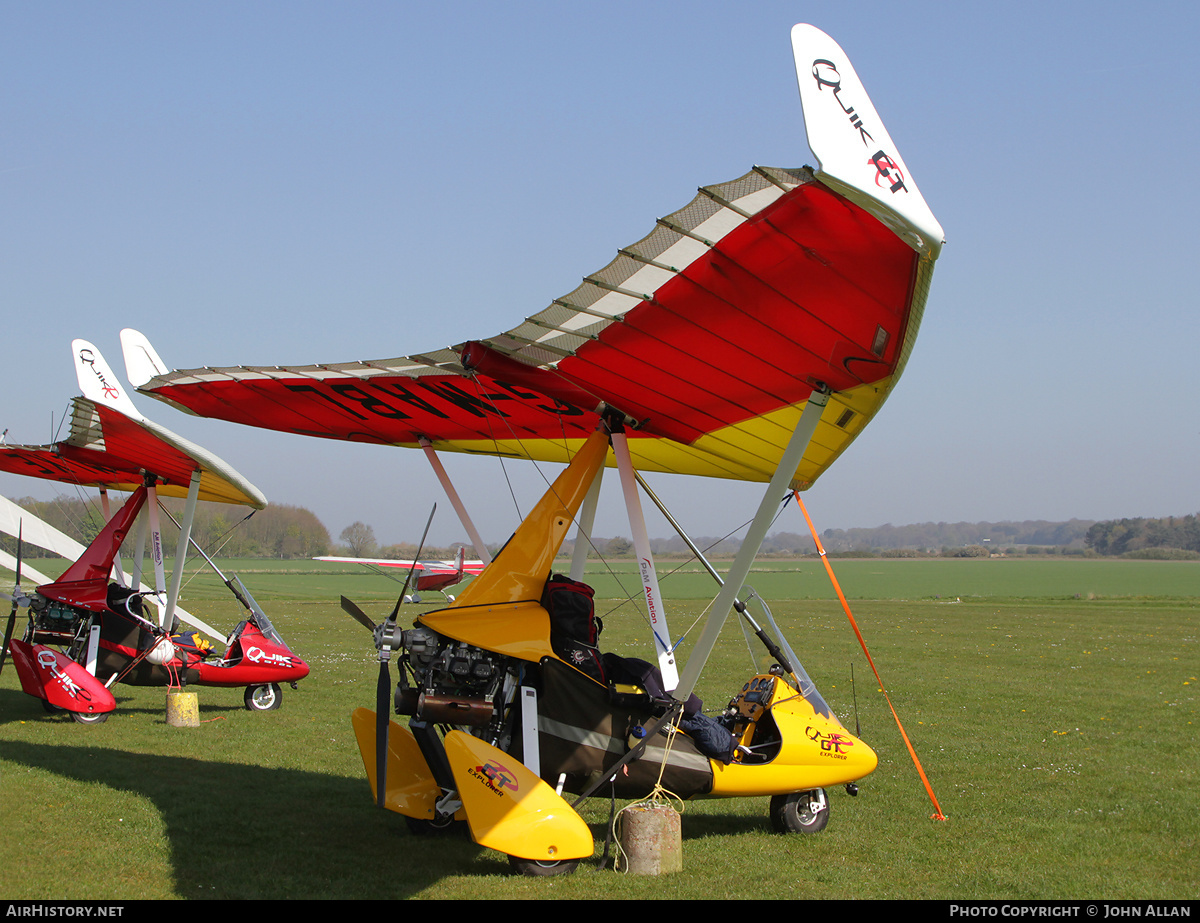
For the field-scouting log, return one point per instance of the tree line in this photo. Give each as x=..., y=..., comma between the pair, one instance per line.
x=1146, y=537
x=358, y=541
x=962, y=539
x=279, y=531
x=283, y=531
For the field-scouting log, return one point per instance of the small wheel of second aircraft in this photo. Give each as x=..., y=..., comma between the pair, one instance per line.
x=795, y=814
x=539, y=869
x=263, y=698
x=84, y=717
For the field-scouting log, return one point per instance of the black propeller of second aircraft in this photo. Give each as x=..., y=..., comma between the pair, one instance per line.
x=12, y=616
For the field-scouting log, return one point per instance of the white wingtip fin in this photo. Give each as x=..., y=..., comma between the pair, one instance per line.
x=855, y=154
x=141, y=361
x=97, y=381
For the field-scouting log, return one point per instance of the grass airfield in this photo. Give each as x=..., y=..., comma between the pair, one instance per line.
x=1052, y=703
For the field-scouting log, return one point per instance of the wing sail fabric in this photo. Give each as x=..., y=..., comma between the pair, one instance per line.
x=108, y=449
x=710, y=332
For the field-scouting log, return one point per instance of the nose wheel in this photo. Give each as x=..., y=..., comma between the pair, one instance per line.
x=90, y=717
x=539, y=869
x=263, y=698
x=800, y=812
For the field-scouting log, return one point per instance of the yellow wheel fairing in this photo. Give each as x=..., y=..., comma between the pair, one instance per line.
x=410, y=787
x=509, y=808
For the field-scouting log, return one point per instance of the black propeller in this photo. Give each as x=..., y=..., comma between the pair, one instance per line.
x=12, y=616
x=384, y=635
x=382, y=690
x=357, y=614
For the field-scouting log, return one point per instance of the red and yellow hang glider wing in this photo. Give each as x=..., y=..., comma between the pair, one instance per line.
x=108, y=449
x=710, y=333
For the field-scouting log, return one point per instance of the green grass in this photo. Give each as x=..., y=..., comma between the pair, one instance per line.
x=1048, y=576
x=1059, y=734
x=928, y=578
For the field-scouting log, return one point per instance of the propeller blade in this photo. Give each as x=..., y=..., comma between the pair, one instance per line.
x=12, y=615
x=351, y=608
x=413, y=568
x=383, y=692
x=383, y=709
x=8, y=633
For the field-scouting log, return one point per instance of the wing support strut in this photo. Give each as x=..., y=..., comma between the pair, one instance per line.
x=181, y=547
x=156, y=551
x=641, y=545
x=455, y=501
x=772, y=648
x=583, y=534
x=780, y=482
x=139, y=553
x=118, y=571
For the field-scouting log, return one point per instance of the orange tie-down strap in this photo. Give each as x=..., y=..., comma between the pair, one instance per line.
x=938, y=815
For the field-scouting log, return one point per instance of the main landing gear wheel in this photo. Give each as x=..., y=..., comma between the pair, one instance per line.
x=540, y=869
x=796, y=813
x=263, y=698
x=84, y=717
x=50, y=709
x=443, y=826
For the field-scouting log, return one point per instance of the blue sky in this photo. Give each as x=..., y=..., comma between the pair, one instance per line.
x=286, y=183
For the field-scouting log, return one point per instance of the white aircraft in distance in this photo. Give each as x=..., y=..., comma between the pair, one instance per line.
x=427, y=576
x=751, y=335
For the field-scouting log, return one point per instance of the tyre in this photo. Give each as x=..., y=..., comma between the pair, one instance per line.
x=800, y=812
x=50, y=709
x=444, y=826
x=538, y=869
x=263, y=698
x=84, y=717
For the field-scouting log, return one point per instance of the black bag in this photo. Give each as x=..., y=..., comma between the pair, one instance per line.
x=574, y=628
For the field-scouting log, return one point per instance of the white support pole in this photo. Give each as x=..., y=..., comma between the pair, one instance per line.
x=93, y=649
x=780, y=481
x=135, y=573
x=480, y=549
x=156, y=553
x=181, y=546
x=641, y=545
x=583, y=534
x=531, y=751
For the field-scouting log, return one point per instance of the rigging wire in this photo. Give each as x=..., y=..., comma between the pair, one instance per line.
x=223, y=539
x=630, y=597
x=693, y=558
x=496, y=442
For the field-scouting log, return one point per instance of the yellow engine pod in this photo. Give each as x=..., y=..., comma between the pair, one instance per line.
x=410, y=787
x=520, y=569
x=509, y=808
x=816, y=752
